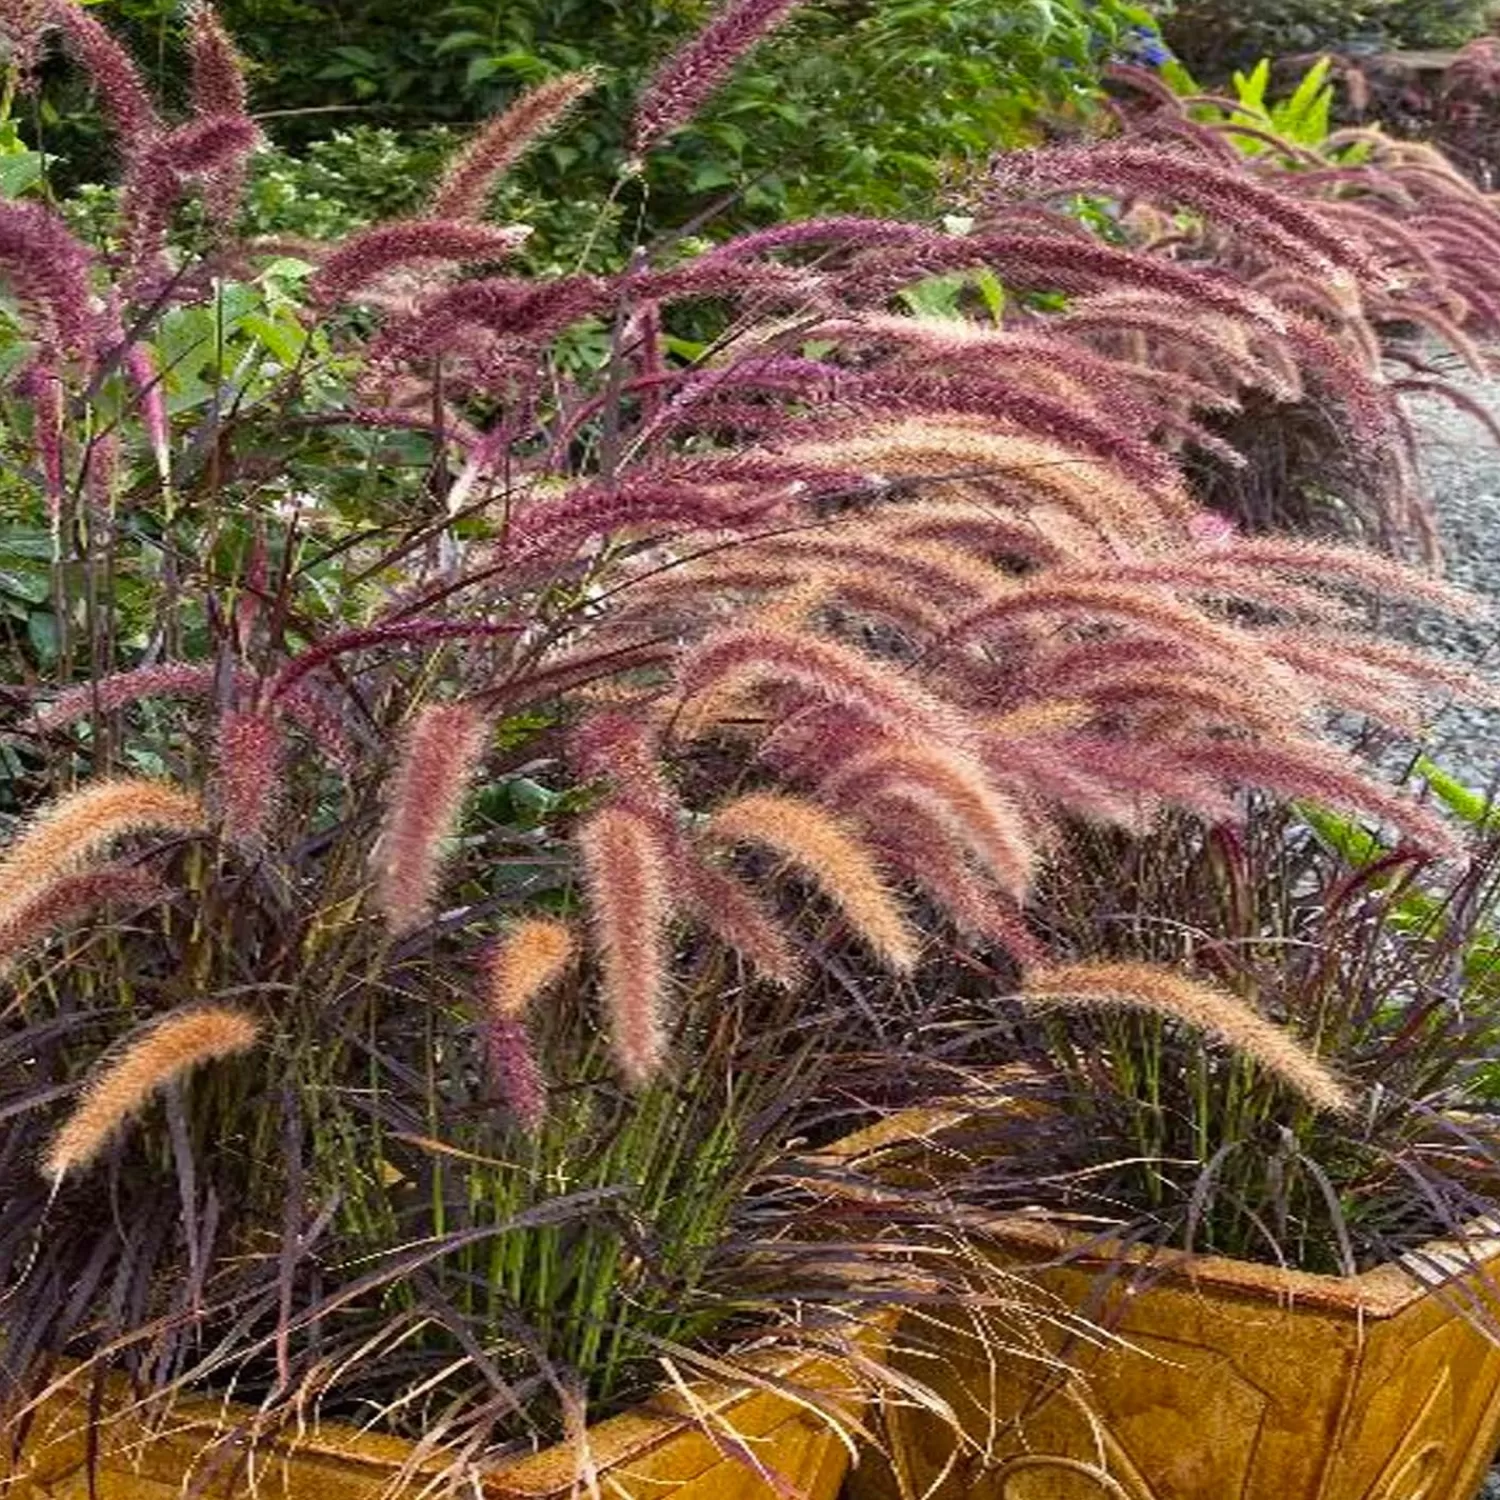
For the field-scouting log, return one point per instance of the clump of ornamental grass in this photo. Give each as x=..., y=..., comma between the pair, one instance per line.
x=491, y=609
x=1268, y=1040
x=1377, y=253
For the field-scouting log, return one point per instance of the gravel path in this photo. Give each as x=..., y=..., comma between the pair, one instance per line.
x=1462, y=466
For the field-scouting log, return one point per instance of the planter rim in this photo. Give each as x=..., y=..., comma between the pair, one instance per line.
x=1382, y=1292
x=612, y=1443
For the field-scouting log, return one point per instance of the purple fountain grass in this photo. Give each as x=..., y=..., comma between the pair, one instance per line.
x=218, y=76
x=122, y=91
x=531, y=959
x=248, y=756
x=440, y=755
x=211, y=150
x=369, y=254
x=828, y=854
x=49, y=274
x=1206, y=1008
x=515, y=1074
x=757, y=654
x=730, y=911
x=467, y=185
x=120, y=689
x=955, y=792
x=123, y=1085
x=683, y=83
x=23, y=26
x=626, y=869
x=67, y=833
x=75, y=897
x=1284, y=230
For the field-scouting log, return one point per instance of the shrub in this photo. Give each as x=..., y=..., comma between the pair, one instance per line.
x=1213, y=37
x=865, y=105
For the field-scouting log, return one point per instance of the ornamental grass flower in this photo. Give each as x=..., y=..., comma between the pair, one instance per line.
x=441, y=751
x=466, y=186
x=684, y=82
x=627, y=877
x=826, y=853
x=1214, y=1012
x=69, y=831
x=121, y=1086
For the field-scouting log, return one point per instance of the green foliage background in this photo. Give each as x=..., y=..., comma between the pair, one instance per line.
x=857, y=105
x=1215, y=36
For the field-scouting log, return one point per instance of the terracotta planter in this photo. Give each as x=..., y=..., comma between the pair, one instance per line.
x=662, y=1448
x=1225, y=1380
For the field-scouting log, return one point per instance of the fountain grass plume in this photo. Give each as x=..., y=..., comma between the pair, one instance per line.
x=123, y=1085
x=527, y=961
x=66, y=833
x=218, y=76
x=365, y=256
x=121, y=89
x=466, y=186
x=954, y=791
x=1285, y=230
x=248, y=755
x=627, y=877
x=48, y=271
x=1206, y=1008
x=829, y=854
x=72, y=898
x=679, y=88
x=440, y=753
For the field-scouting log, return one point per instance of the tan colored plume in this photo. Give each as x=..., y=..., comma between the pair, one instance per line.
x=531, y=958
x=64, y=835
x=1204, y=1007
x=123, y=1085
x=818, y=845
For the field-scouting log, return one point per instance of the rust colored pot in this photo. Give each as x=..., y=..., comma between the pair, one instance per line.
x=1221, y=1380
x=672, y=1446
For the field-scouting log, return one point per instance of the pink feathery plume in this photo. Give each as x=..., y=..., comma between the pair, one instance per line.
x=122, y=91
x=1286, y=229
x=140, y=368
x=248, y=756
x=120, y=689
x=218, y=81
x=628, y=881
x=22, y=26
x=371, y=253
x=514, y=1070
x=1305, y=768
x=48, y=272
x=761, y=655
x=211, y=150
x=73, y=896
x=440, y=754
x=218, y=92
x=467, y=184
x=99, y=468
x=687, y=78
x=44, y=387
x=737, y=917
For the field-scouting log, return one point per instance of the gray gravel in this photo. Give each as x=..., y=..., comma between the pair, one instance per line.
x=1462, y=466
